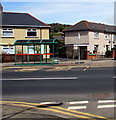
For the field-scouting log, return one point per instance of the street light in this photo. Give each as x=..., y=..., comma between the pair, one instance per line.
x=78, y=35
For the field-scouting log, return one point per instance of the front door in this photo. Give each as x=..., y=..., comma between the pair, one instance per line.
x=83, y=50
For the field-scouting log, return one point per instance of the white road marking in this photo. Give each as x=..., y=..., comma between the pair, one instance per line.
x=51, y=103
x=76, y=107
x=84, y=69
x=114, y=77
x=78, y=102
x=56, y=78
x=106, y=101
x=106, y=106
x=87, y=66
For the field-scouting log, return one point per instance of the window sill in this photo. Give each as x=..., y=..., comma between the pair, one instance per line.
x=96, y=38
x=7, y=37
x=31, y=37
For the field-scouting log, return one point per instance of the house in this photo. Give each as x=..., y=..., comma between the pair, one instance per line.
x=89, y=36
x=20, y=26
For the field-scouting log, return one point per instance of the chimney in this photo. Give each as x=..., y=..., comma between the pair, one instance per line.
x=1, y=8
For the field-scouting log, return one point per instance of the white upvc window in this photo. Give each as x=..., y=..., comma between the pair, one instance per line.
x=107, y=36
x=7, y=49
x=107, y=47
x=7, y=32
x=96, y=35
x=114, y=36
x=31, y=32
x=96, y=47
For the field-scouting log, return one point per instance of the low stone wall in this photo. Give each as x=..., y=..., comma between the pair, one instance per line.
x=11, y=58
x=7, y=57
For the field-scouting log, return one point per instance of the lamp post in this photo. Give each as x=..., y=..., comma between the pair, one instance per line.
x=78, y=35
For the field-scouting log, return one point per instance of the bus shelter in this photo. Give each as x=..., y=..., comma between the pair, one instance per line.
x=35, y=52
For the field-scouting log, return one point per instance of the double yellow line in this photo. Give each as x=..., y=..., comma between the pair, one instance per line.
x=60, y=110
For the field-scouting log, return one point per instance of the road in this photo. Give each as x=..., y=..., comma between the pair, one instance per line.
x=85, y=85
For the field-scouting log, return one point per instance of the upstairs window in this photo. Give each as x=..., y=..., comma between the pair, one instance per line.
x=31, y=33
x=114, y=36
x=96, y=34
x=7, y=32
x=107, y=36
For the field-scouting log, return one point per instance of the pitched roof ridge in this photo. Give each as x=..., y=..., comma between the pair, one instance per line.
x=73, y=25
x=15, y=12
x=103, y=24
x=96, y=25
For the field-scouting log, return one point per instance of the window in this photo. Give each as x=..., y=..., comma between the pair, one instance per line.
x=31, y=33
x=114, y=37
x=95, y=47
x=96, y=34
x=30, y=49
x=107, y=36
x=107, y=47
x=7, y=32
x=7, y=49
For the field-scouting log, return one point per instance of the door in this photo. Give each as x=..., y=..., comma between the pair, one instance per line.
x=83, y=50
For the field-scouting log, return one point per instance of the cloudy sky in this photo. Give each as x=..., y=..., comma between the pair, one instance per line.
x=69, y=12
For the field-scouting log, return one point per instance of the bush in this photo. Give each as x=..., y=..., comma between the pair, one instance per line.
x=108, y=54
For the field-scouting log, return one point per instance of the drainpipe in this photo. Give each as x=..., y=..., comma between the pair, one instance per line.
x=40, y=33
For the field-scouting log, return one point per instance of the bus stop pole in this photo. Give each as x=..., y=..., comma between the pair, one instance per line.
x=15, y=55
x=28, y=53
x=53, y=53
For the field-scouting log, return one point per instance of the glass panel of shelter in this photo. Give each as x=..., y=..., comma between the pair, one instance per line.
x=33, y=51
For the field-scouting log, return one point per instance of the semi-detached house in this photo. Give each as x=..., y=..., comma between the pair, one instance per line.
x=20, y=26
x=89, y=36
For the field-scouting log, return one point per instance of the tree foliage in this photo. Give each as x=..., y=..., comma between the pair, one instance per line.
x=57, y=27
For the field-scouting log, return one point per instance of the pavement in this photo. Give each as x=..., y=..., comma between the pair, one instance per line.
x=63, y=65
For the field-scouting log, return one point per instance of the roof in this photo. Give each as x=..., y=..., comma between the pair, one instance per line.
x=21, y=20
x=36, y=42
x=91, y=26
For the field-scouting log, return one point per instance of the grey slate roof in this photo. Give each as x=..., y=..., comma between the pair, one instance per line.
x=90, y=26
x=21, y=19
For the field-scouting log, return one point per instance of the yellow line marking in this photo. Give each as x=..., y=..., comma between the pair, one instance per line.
x=83, y=113
x=20, y=102
x=88, y=114
x=54, y=110
x=32, y=69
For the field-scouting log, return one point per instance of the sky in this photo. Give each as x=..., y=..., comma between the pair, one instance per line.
x=69, y=12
